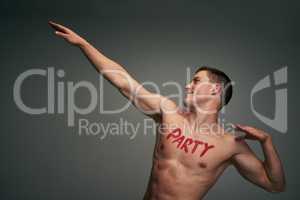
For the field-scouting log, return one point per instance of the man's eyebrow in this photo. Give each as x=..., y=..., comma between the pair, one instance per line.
x=197, y=77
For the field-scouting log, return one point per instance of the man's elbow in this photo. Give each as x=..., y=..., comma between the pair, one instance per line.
x=276, y=188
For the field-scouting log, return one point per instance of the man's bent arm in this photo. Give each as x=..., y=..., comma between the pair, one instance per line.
x=273, y=165
x=269, y=173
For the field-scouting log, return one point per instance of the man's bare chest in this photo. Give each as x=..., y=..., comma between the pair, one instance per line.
x=202, y=151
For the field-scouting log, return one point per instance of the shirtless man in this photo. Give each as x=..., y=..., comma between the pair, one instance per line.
x=192, y=149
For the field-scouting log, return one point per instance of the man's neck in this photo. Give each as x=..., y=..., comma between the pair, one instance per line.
x=202, y=118
x=202, y=121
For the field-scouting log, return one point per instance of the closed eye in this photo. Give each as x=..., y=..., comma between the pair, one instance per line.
x=196, y=80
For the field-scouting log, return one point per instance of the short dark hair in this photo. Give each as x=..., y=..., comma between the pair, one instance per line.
x=216, y=75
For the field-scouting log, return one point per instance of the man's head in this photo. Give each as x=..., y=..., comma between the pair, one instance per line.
x=209, y=85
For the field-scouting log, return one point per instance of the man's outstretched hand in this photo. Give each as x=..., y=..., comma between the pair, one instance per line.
x=67, y=34
x=251, y=133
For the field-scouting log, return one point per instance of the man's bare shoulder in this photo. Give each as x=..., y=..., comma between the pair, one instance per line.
x=171, y=111
x=235, y=144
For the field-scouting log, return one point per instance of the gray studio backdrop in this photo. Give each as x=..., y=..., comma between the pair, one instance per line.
x=43, y=158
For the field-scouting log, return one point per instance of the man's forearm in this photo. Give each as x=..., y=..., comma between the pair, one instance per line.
x=273, y=165
x=111, y=70
x=100, y=61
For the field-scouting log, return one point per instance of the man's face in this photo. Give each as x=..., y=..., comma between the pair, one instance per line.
x=200, y=89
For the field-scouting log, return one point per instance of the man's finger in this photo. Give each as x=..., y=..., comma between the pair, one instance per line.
x=61, y=34
x=239, y=138
x=239, y=127
x=245, y=128
x=251, y=132
x=58, y=27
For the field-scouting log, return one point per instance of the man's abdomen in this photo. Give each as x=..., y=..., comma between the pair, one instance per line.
x=172, y=180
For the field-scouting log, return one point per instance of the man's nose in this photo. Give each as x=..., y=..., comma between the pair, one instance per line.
x=188, y=86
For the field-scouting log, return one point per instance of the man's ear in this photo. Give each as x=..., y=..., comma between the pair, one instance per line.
x=216, y=89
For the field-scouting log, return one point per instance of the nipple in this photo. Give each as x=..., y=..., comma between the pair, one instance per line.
x=202, y=165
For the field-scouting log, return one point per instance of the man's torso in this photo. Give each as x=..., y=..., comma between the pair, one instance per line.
x=187, y=163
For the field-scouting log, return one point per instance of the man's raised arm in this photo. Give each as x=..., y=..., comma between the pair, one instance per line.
x=149, y=103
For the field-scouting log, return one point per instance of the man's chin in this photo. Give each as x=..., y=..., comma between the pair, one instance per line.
x=187, y=103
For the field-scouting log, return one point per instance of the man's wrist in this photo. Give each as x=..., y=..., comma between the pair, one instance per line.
x=265, y=139
x=82, y=44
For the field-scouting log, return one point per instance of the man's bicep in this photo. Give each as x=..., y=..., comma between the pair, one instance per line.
x=250, y=167
x=151, y=104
